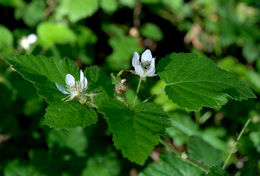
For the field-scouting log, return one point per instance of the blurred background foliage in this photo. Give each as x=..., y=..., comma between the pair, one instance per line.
x=106, y=33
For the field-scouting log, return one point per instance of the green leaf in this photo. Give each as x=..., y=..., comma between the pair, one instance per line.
x=151, y=31
x=109, y=5
x=85, y=36
x=123, y=49
x=99, y=81
x=217, y=171
x=34, y=12
x=204, y=153
x=102, y=165
x=194, y=81
x=135, y=131
x=54, y=33
x=169, y=166
x=6, y=40
x=78, y=9
x=20, y=168
x=182, y=127
x=74, y=139
x=44, y=73
x=69, y=115
x=129, y=3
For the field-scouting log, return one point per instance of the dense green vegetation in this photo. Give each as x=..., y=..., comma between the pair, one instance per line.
x=196, y=114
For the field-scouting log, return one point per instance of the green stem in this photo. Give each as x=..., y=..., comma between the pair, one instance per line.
x=137, y=90
x=157, y=93
x=235, y=145
x=183, y=159
x=197, y=117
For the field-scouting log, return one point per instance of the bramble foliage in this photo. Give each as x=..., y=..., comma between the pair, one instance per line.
x=187, y=108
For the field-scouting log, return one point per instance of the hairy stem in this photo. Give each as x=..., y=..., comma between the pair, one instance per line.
x=235, y=145
x=137, y=90
x=177, y=153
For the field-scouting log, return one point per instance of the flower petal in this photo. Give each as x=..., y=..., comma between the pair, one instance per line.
x=81, y=76
x=139, y=70
x=135, y=59
x=62, y=89
x=32, y=38
x=146, y=56
x=151, y=71
x=70, y=80
x=85, y=82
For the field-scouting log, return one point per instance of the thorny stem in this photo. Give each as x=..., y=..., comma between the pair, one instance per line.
x=235, y=145
x=137, y=90
x=183, y=159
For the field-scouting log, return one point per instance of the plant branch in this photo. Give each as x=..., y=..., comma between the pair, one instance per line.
x=187, y=160
x=235, y=145
x=137, y=90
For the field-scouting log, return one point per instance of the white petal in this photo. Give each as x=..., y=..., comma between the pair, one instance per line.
x=85, y=82
x=32, y=38
x=62, y=89
x=151, y=71
x=139, y=70
x=24, y=43
x=146, y=56
x=81, y=76
x=135, y=59
x=70, y=81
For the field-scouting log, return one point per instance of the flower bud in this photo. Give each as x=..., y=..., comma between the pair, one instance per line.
x=121, y=87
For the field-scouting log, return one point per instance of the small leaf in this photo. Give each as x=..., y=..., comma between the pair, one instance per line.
x=6, y=40
x=69, y=115
x=77, y=9
x=194, y=82
x=152, y=31
x=109, y=5
x=204, y=153
x=54, y=33
x=136, y=131
x=34, y=13
x=123, y=48
x=170, y=166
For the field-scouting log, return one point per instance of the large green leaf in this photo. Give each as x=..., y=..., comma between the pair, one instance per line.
x=194, y=82
x=135, y=131
x=44, y=73
x=204, y=153
x=170, y=166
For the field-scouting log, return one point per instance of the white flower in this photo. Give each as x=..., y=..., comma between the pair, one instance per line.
x=27, y=41
x=145, y=67
x=74, y=89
